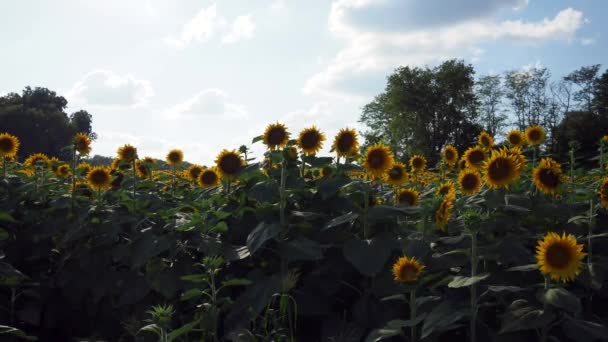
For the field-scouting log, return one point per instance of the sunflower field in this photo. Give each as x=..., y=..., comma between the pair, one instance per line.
x=496, y=243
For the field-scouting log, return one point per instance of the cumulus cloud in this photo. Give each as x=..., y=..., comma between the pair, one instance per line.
x=242, y=28
x=208, y=103
x=107, y=88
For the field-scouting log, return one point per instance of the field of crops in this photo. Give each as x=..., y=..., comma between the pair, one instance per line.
x=496, y=243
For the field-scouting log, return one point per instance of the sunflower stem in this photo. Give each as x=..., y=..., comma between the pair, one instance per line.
x=589, y=245
x=302, y=168
x=282, y=195
x=134, y=184
x=74, y=161
x=413, y=314
x=3, y=166
x=474, y=261
x=365, y=208
x=172, y=180
x=572, y=166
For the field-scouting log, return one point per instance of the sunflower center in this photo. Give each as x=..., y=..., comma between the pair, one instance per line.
x=396, y=173
x=408, y=273
x=194, y=172
x=98, y=177
x=209, y=177
x=548, y=178
x=514, y=139
x=500, y=169
x=376, y=159
x=558, y=256
x=485, y=141
x=345, y=143
x=444, y=190
x=417, y=163
x=476, y=157
x=407, y=198
x=276, y=136
x=449, y=155
x=174, y=157
x=470, y=181
x=6, y=145
x=230, y=164
x=310, y=140
x=534, y=135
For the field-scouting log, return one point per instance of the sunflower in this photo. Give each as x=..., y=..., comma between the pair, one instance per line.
x=143, y=169
x=396, y=175
x=450, y=155
x=560, y=256
x=53, y=164
x=603, y=193
x=82, y=143
x=485, y=140
x=516, y=138
x=84, y=168
x=462, y=164
x=175, y=157
x=446, y=188
x=127, y=153
x=378, y=159
x=407, y=270
x=118, y=164
x=311, y=140
x=63, y=170
x=9, y=145
x=469, y=181
x=535, y=135
x=346, y=143
x=99, y=178
x=149, y=160
x=37, y=159
x=547, y=176
x=275, y=136
x=229, y=164
x=520, y=158
x=417, y=163
x=474, y=156
x=208, y=178
x=501, y=169
x=443, y=213
x=194, y=171
x=407, y=197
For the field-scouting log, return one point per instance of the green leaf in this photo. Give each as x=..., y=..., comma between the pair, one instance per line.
x=370, y=256
x=10, y=276
x=317, y=161
x=265, y=191
x=220, y=227
x=389, y=213
x=3, y=234
x=442, y=316
x=236, y=282
x=6, y=217
x=302, y=249
x=6, y=330
x=151, y=328
x=578, y=219
x=262, y=233
x=516, y=208
x=563, y=299
x=195, y=278
x=520, y=317
x=459, y=281
x=395, y=297
x=523, y=268
x=256, y=139
x=192, y=293
x=584, y=331
x=349, y=217
x=184, y=329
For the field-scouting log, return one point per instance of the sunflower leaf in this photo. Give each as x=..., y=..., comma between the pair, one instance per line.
x=563, y=299
x=459, y=281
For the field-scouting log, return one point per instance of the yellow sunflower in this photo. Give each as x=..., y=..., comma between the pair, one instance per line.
x=37, y=159
x=118, y=164
x=99, y=178
x=346, y=143
x=516, y=138
x=560, y=256
x=127, y=153
x=378, y=159
x=450, y=155
x=194, y=171
x=520, y=158
x=396, y=175
x=63, y=170
x=275, y=136
x=208, y=178
x=501, y=169
x=149, y=160
x=417, y=163
x=603, y=193
x=446, y=188
x=9, y=145
x=443, y=213
x=469, y=181
x=229, y=164
x=407, y=197
x=311, y=140
x=547, y=176
x=535, y=135
x=175, y=157
x=407, y=270
x=474, y=156
x=462, y=164
x=84, y=168
x=143, y=169
x=82, y=143
x=485, y=140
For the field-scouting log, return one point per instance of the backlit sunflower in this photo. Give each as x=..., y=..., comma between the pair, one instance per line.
x=378, y=159
x=535, y=135
x=417, y=163
x=474, y=156
x=485, y=140
x=516, y=138
x=547, y=176
x=560, y=256
x=520, y=158
x=127, y=153
x=84, y=168
x=82, y=143
x=407, y=270
x=500, y=170
x=443, y=213
x=407, y=197
x=450, y=155
x=118, y=164
x=396, y=175
x=193, y=172
x=275, y=136
x=469, y=181
x=53, y=164
x=99, y=178
x=149, y=160
x=446, y=188
x=175, y=157
x=37, y=159
x=346, y=143
x=208, y=178
x=603, y=193
x=229, y=164
x=143, y=169
x=311, y=140
x=9, y=145
x=63, y=170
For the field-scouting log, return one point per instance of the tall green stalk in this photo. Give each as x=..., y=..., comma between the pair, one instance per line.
x=414, y=337
x=589, y=245
x=3, y=166
x=365, y=209
x=134, y=183
x=474, y=261
x=283, y=195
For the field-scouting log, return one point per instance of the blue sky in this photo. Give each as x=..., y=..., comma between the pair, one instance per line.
x=206, y=75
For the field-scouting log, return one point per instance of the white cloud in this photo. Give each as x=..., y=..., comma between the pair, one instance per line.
x=242, y=28
x=278, y=6
x=208, y=103
x=106, y=88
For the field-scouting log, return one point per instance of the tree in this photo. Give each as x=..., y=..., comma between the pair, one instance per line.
x=600, y=95
x=423, y=109
x=82, y=121
x=585, y=79
x=526, y=91
x=490, y=95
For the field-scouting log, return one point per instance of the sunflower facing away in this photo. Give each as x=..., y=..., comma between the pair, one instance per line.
x=194, y=171
x=346, y=143
x=560, y=256
x=275, y=136
x=450, y=155
x=63, y=170
x=37, y=159
x=446, y=188
x=9, y=145
x=407, y=197
x=485, y=140
x=407, y=270
x=82, y=143
x=501, y=169
x=208, y=178
x=443, y=213
x=516, y=138
x=547, y=176
x=175, y=157
x=474, y=156
x=396, y=175
x=311, y=140
x=127, y=153
x=603, y=193
x=378, y=159
x=417, y=163
x=535, y=135
x=99, y=178
x=229, y=164
x=469, y=181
